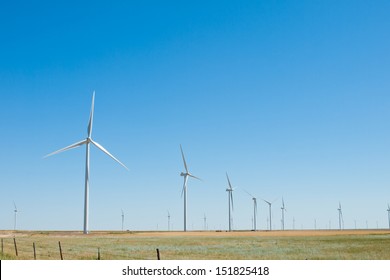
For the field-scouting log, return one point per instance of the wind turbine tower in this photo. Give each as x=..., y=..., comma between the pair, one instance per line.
x=184, y=190
x=123, y=218
x=87, y=143
x=15, y=214
x=283, y=210
x=230, y=199
x=270, y=215
x=254, y=218
x=341, y=220
x=388, y=213
x=169, y=221
x=204, y=222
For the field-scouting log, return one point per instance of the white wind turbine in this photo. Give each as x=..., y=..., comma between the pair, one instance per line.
x=341, y=220
x=87, y=143
x=270, y=216
x=15, y=214
x=184, y=190
x=254, y=210
x=123, y=218
x=283, y=210
x=230, y=198
x=169, y=221
x=388, y=213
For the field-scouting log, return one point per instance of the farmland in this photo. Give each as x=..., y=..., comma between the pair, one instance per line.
x=198, y=245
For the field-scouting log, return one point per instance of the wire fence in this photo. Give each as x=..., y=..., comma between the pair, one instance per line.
x=24, y=249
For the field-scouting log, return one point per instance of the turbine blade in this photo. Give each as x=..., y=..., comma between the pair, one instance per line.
x=184, y=160
x=184, y=184
x=231, y=198
x=230, y=185
x=269, y=203
x=195, y=177
x=107, y=153
x=75, y=145
x=248, y=193
x=182, y=191
x=91, y=115
x=15, y=205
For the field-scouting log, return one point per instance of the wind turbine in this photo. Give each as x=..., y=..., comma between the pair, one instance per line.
x=169, y=221
x=15, y=213
x=254, y=210
x=340, y=216
x=205, y=222
x=184, y=190
x=230, y=198
x=283, y=210
x=123, y=218
x=388, y=213
x=87, y=143
x=270, y=218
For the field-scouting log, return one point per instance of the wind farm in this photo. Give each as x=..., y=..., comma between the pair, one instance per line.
x=262, y=225
x=204, y=235
x=291, y=98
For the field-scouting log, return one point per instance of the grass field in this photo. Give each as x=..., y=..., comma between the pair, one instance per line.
x=275, y=245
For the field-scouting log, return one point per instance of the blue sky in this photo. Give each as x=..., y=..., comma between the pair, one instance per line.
x=290, y=98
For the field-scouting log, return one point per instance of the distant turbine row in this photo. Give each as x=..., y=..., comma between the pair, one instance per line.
x=185, y=176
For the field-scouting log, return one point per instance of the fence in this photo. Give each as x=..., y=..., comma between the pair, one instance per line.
x=23, y=249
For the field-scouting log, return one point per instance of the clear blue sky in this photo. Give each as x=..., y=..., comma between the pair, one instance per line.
x=291, y=98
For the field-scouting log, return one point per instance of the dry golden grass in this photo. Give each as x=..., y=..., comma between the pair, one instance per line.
x=295, y=245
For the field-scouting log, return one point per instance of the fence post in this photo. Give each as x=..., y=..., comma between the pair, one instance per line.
x=99, y=254
x=16, y=248
x=35, y=255
x=158, y=254
x=59, y=245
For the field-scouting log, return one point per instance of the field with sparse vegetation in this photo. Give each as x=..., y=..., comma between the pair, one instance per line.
x=243, y=245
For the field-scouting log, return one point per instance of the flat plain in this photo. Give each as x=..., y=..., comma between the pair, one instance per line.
x=198, y=245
